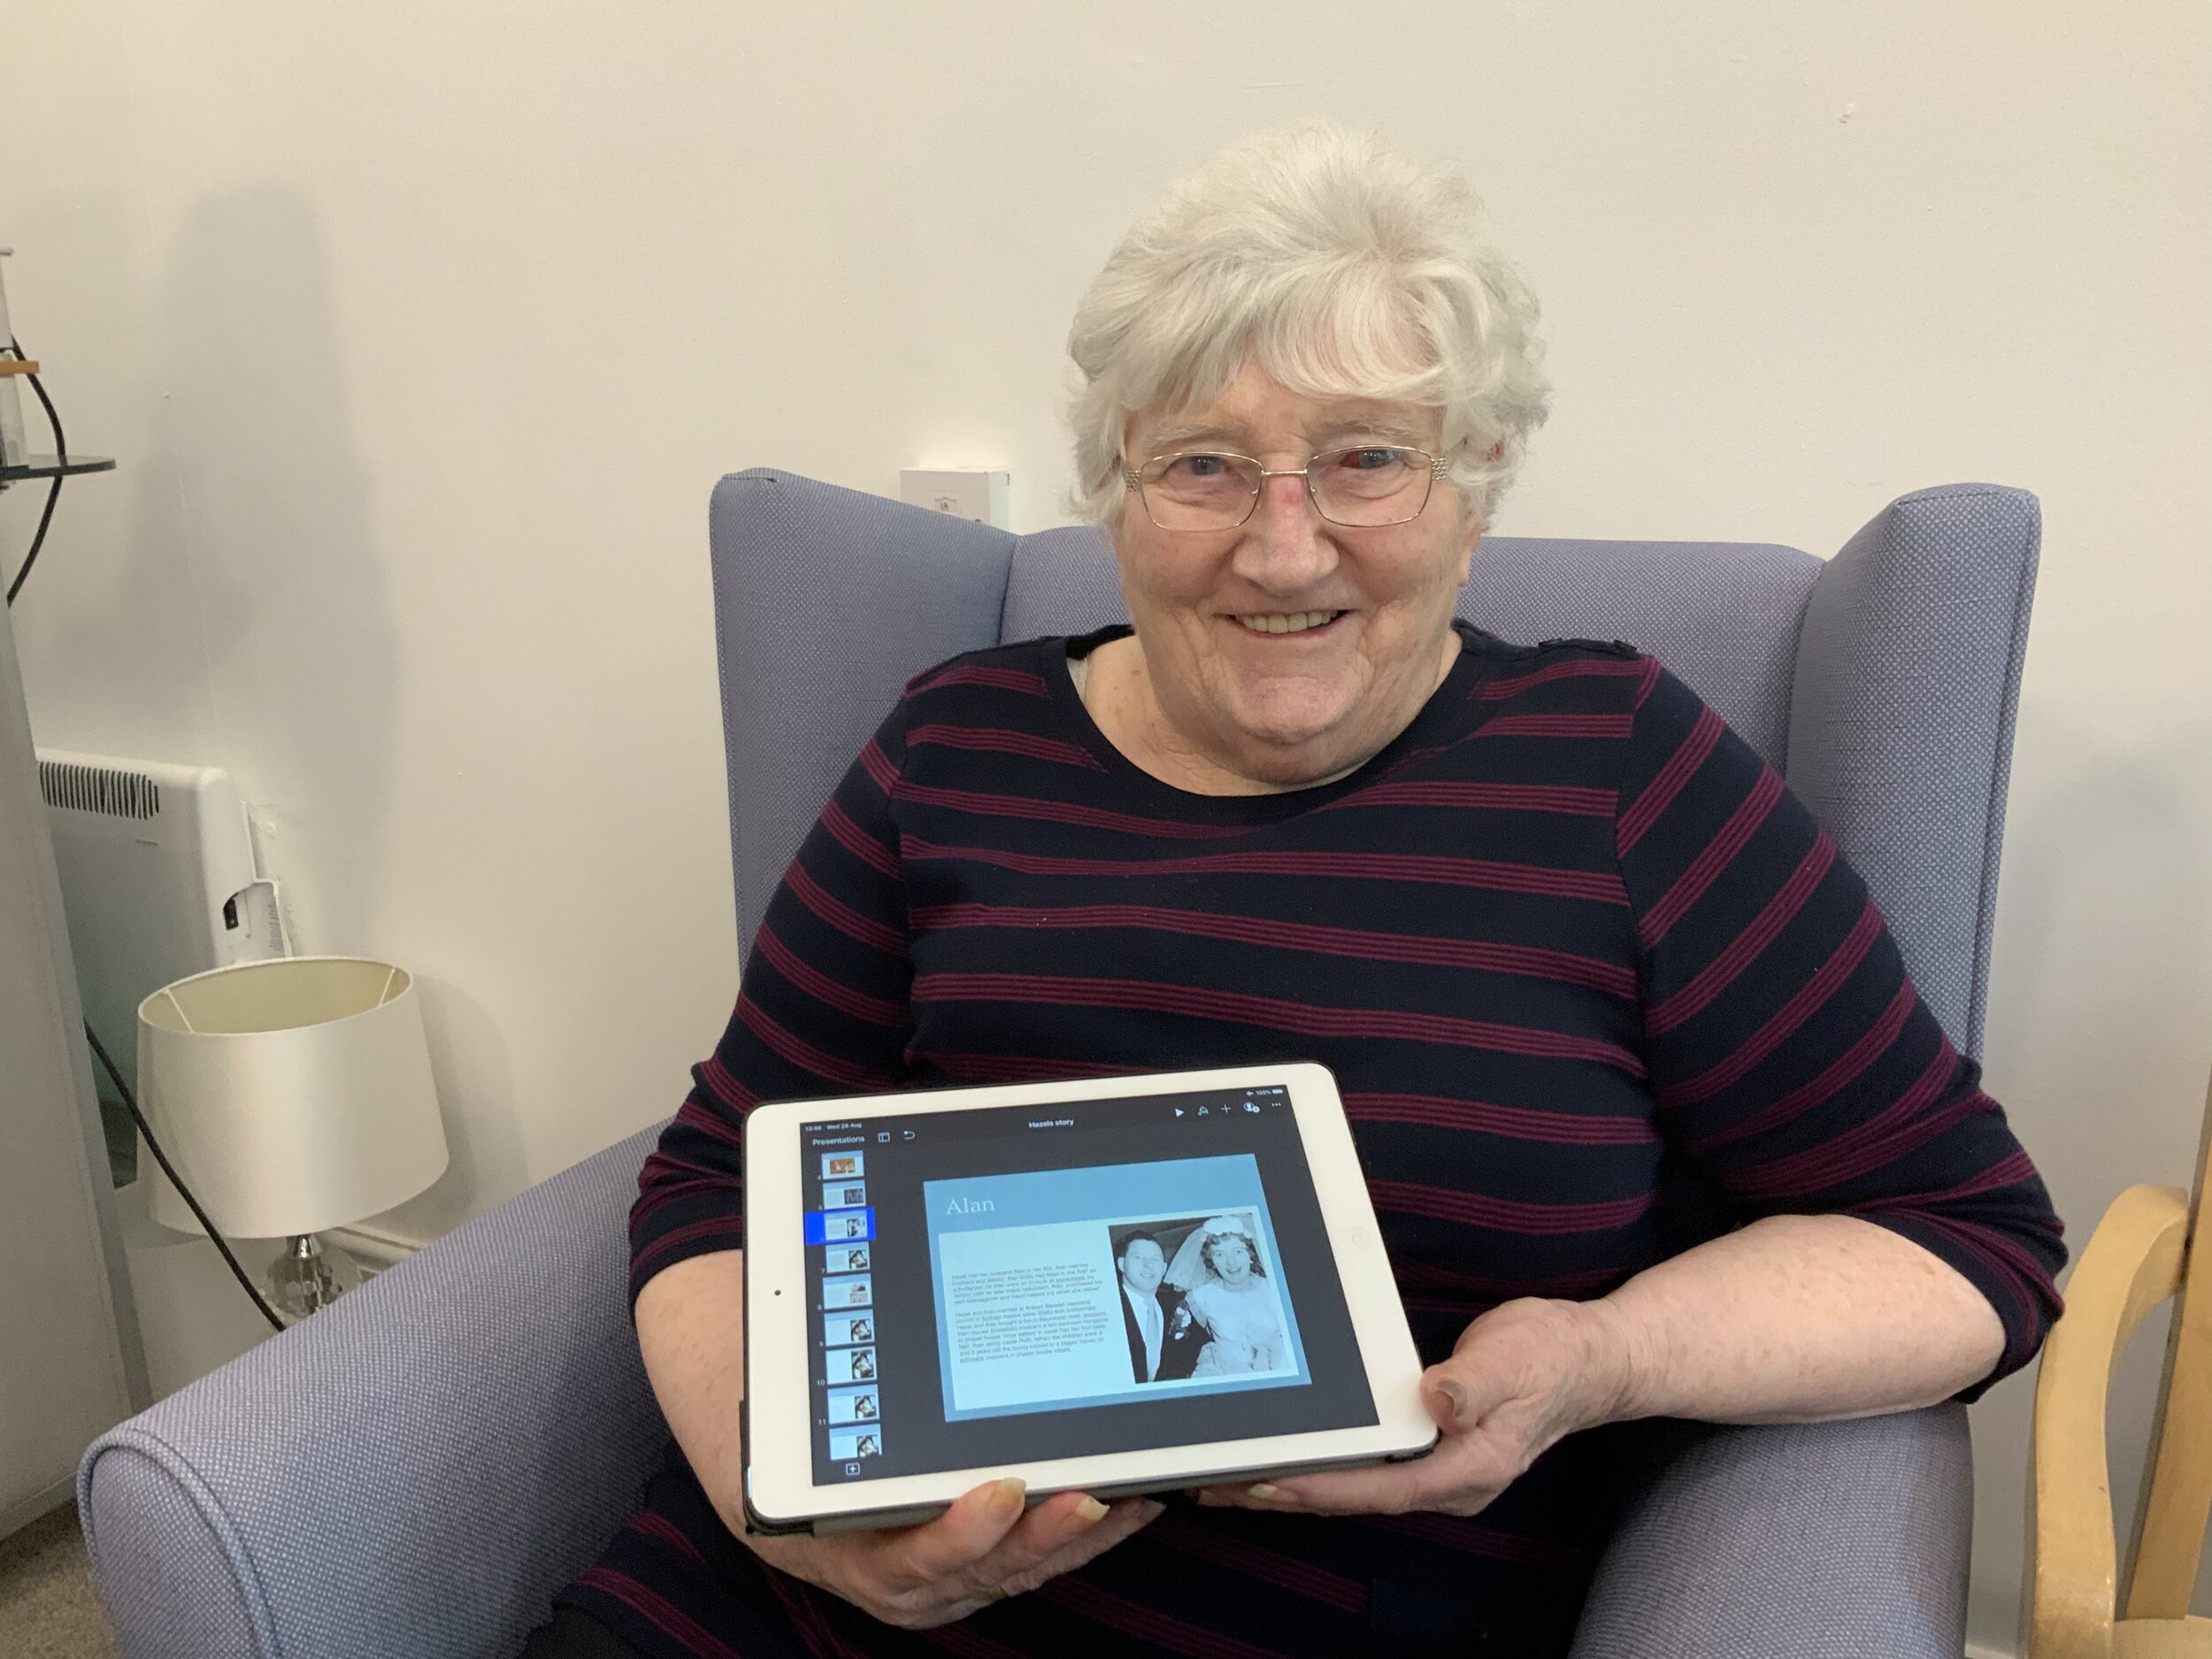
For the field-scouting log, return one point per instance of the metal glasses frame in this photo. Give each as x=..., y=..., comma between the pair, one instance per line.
x=1133, y=478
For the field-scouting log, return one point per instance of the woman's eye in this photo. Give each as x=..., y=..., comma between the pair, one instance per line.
x=1202, y=465
x=1371, y=460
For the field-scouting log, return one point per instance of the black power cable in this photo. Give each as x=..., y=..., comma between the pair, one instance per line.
x=38, y=537
x=53, y=490
x=176, y=1180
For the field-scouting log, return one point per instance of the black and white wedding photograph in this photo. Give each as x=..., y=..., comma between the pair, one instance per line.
x=1198, y=1299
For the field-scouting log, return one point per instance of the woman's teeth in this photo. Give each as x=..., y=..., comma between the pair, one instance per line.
x=1289, y=622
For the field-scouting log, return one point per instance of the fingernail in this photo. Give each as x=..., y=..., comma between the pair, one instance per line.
x=1262, y=1490
x=1006, y=1503
x=1090, y=1510
x=1452, y=1391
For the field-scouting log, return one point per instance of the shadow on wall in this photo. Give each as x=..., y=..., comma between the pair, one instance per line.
x=2105, y=906
x=251, y=591
x=257, y=585
x=251, y=584
x=469, y=1059
x=2100, y=1036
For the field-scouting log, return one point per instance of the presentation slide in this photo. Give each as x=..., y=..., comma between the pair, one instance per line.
x=852, y=1405
x=1117, y=1282
x=842, y=1330
x=840, y=1226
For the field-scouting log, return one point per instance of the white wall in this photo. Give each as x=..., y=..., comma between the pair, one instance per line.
x=423, y=331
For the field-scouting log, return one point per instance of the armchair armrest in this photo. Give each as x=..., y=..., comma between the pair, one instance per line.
x=414, y=1470
x=1819, y=1540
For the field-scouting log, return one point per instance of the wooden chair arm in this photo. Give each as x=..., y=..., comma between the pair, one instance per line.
x=2132, y=1264
x=2177, y=1495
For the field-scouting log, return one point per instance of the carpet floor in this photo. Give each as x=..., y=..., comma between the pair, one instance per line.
x=48, y=1607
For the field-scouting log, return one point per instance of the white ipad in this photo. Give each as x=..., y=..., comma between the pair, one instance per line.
x=1115, y=1285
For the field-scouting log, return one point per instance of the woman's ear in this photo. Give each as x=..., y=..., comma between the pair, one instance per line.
x=1473, y=533
x=1476, y=528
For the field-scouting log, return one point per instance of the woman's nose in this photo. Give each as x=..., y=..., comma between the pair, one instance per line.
x=1287, y=546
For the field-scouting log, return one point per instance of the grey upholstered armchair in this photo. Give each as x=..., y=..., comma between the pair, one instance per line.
x=414, y=1471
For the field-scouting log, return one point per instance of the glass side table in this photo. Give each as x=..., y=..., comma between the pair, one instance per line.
x=52, y=466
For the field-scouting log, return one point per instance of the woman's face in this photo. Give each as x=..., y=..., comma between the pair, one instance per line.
x=1284, y=709
x=1232, y=1259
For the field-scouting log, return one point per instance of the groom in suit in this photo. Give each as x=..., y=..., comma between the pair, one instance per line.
x=1158, y=1351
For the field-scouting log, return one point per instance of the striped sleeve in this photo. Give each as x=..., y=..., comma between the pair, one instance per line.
x=1792, y=1062
x=822, y=1012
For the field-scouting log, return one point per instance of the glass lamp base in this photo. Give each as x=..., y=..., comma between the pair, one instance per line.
x=309, y=1274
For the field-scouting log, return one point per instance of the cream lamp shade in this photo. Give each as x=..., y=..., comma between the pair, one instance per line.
x=292, y=1095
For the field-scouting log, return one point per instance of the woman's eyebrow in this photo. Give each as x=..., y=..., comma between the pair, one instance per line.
x=1179, y=437
x=1395, y=427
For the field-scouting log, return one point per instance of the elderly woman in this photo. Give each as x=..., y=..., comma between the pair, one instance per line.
x=1654, y=1123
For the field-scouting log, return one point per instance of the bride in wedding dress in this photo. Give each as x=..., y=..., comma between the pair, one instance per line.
x=1226, y=1291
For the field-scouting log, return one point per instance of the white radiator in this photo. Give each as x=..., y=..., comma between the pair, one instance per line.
x=158, y=882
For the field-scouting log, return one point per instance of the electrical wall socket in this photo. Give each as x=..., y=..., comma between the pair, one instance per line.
x=965, y=493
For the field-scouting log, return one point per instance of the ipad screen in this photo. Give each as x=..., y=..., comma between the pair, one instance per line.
x=1027, y=1283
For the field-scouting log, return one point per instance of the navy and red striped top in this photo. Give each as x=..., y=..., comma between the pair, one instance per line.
x=1595, y=988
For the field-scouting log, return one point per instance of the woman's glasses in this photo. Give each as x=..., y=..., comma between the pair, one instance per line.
x=1364, y=488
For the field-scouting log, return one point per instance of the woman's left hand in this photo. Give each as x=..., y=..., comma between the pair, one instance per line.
x=1521, y=1377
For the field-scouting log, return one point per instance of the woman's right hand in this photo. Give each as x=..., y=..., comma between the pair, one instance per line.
x=982, y=1549
x=691, y=1330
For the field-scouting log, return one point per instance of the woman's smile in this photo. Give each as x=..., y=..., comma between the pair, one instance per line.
x=1292, y=624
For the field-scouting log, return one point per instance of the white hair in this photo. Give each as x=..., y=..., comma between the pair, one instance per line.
x=1342, y=268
